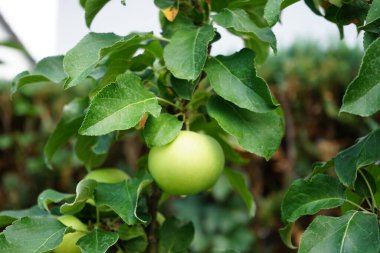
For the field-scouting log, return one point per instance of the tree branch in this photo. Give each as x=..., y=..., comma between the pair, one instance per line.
x=152, y=228
x=13, y=37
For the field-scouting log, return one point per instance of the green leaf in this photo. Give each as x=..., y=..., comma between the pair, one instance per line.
x=49, y=69
x=286, y=235
x=163, y=4
x=36, y=234
x=354, y=232
x=272, y=11
x=186, y=54
x=134, y=236
x=365, y=152
x=238, y=182
x=7, y=217
x=119, y=106
x=51, y=196
x=363, y=182
x=6, y=247
x=92, y=7
x=97, y=241
x=175, y=236
x=123, y=198
x=183, y=88
x=161, y=130
x=72, y=117
x=373, y=18
x=84, y=191
x=259, y=133
x=234, y=78
x=81, y=60
x=362, y=96
x=239, y=21
x=306, y=197
x=84, y=150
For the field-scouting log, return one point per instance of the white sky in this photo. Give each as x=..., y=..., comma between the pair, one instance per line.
x=51, y=27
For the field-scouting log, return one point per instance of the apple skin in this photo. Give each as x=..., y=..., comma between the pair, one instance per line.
x=69, y=241
x=188, y=165
x=109, y=176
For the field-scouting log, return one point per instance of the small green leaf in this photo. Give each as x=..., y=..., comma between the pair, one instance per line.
x=119, y=106
x=49, y=69
x=183, y=88
x=135, y=238
x=234, y=78
x=286, y=235
x=163, y=4
x=272, y=11
x=259, y=133
x=84, y=191
x=84, y=150
x=354, y=232
x=306, y=197
x=238, y=182
x=186, y=54
x=7, y=217
x=97, y=241
x=72, y=117
x=123, y=198
x=362, y=96
x=92, y=7
x=364, y=184
x=36, y=234
x=239, y=21
x=175, y=236
x=365, y=152
x=161, y=130
x=51, y=196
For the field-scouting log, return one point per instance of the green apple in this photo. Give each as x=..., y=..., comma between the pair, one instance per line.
x=69, y=241
x=108, y=175
x=188, y=165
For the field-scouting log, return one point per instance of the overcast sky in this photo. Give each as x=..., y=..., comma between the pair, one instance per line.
x=51, y=27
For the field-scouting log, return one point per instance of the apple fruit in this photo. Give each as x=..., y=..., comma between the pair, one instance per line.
x=109, y=176
x=69, y=241
x=189, y=164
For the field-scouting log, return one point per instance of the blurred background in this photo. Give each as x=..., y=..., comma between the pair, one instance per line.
x=308, y=76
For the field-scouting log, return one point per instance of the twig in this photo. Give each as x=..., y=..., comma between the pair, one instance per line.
x=13, y=37
x=152, y=228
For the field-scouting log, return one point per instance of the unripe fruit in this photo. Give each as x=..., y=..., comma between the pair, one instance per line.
x=188, y=165
x=108, y=176
x=69, y=241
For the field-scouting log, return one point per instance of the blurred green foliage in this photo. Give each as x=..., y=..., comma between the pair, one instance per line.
x=309, y=82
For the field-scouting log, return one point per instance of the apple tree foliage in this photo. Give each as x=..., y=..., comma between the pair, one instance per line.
x=156, y=86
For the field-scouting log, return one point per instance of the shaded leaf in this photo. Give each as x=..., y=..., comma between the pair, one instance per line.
x=365, y=152
x=234, y=78
x=84, y=191
x=183, y=88
x=238, y=182
x=175, y=236
x=85, y=147
x=259, y=133
x=71, y=119
x=185, y=55
x=362, y=96
x=97, y=241
x=354, y=232
x=306, y=197
x=135, y=238
x=119, y=106
x=52, y=196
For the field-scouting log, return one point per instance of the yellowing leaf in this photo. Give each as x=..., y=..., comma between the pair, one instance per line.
x=170, y=13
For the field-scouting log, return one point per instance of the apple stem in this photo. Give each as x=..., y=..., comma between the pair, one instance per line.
x=152, y=229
